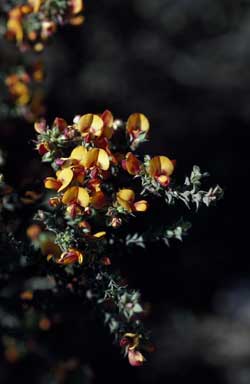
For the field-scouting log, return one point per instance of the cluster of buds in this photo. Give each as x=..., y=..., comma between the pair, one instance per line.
x=30, y=24
x=23, y=92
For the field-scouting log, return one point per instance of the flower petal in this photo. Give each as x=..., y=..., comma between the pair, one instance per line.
x=65, y=176
x=78, y=153
x=141, y=206
x=52, y=183
x=166, y=165
x=70, y=196
x=83, y=197
x=126, y=194
x=98, y=235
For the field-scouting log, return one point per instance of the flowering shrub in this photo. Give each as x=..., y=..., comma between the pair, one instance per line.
x=100, y=183
x=30, y=23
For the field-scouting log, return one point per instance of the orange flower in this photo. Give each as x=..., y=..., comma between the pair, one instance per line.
x=98, y=200
x=161, y=168
x=108, y=120
x=70, y=256
x=137, y=125
x=33, y=231
x=126, y=199
x=131, y=164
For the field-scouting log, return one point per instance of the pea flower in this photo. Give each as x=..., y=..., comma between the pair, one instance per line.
x=71, y=256
x=126, y=199
x=75, y=198
x=161, y=168
x=93, y=126
x=137, y=129
x=131, y=164
x=63, y=180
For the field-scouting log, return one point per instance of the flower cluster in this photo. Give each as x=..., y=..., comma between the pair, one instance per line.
x=32, y=22
x=99, y=184
x=22, y=93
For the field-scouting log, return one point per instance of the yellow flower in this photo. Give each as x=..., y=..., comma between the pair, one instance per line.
x=161, y=168
x=126, y=199
x=95, y=157
x=137, y=124
x=70, y=256
x=63, y=180
x=76, y=195
x=96, y=126
x=99, y=158
x=90, y=124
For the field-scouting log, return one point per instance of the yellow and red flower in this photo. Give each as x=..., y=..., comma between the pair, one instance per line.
x=63, y=180
x=71, y=256
x=161, y=168
x=92, y=126
x=131, y=164
x=75, y=198
x=137, y=125
x=126, y=199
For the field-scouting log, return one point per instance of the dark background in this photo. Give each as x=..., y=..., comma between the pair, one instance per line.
x=185, y=64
